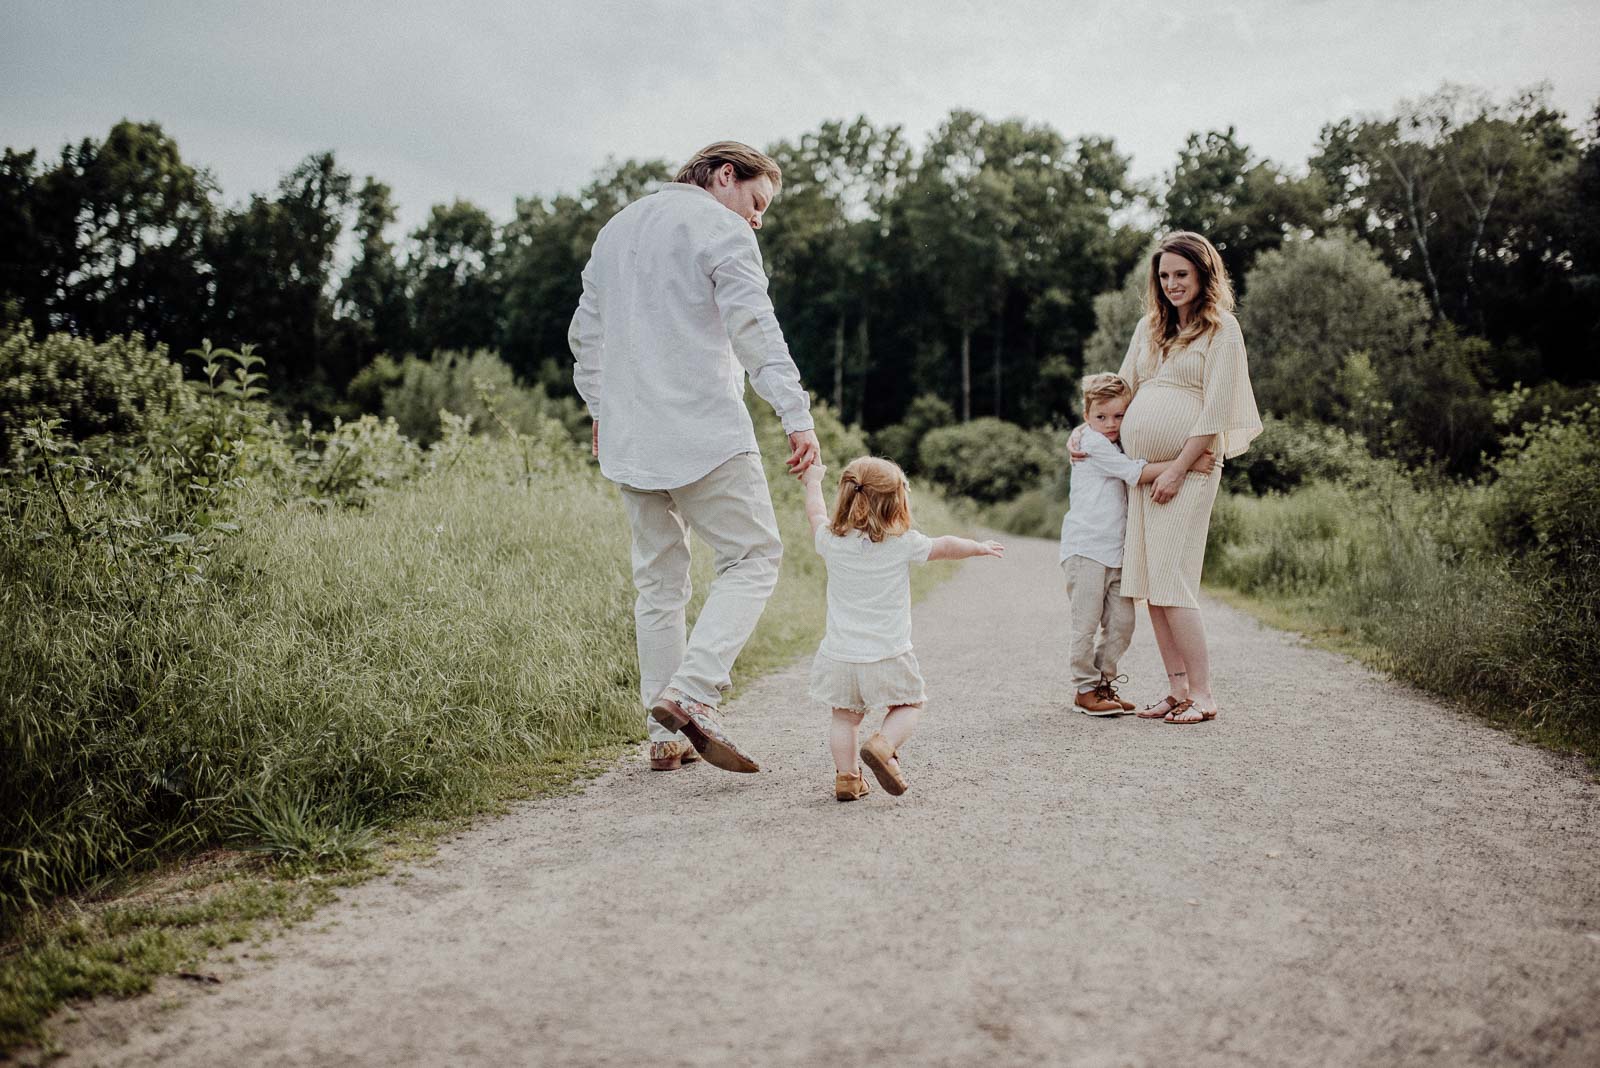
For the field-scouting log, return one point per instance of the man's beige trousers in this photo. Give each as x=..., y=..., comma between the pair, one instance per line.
x=731, y=510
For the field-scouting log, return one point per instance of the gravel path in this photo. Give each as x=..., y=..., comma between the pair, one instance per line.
x=1336, y=871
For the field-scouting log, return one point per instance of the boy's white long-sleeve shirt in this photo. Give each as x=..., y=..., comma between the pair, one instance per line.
x=674, y=313
x=1097, y=515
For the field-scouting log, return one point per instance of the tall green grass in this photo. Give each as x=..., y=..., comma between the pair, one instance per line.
x=1400, y=571
x=333, y=668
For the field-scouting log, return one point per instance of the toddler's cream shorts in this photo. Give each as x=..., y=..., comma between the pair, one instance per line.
x=876, y=686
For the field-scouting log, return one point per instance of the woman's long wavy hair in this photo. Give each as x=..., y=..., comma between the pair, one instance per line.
x=1216, y=293
x=872, y=499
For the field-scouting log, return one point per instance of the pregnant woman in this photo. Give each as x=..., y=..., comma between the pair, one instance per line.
x=1186, y=364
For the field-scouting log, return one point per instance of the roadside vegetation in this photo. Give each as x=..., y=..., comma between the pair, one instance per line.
x=227, y=632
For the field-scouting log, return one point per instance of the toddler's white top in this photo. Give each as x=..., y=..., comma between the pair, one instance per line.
x=869, y=593
x=674, y=313
x=1097, y=514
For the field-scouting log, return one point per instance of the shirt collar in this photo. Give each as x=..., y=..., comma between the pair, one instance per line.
x=685, y=187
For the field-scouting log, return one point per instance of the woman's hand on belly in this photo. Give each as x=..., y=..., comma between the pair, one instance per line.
x=1166, y=485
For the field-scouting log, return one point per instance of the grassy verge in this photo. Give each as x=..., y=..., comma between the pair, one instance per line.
x=354, y=682
x=1379, y=573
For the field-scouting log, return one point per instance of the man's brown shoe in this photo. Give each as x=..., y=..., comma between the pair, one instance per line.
x=1107, y=691
x=850, y=787
x=698, y=723
x=670, y=756
x=1090, y=703
x=879, y=755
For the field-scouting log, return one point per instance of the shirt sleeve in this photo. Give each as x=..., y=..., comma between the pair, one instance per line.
x=587, y=341
x=1229, y=407
x=740, y=290
x=917, y=545
x=821, y=540
x=1109, y=460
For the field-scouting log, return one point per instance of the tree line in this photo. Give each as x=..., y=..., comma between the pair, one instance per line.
x=964, y=269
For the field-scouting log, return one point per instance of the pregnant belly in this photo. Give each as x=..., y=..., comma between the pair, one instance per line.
x=1158, y=422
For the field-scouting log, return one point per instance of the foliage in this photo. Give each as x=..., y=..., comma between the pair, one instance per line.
x=902, y=442
x=1244, y=205
x=413, y=392
x=1313, y=303
x=1479, y=203
x=1384, y=565
x=1116, y=315
x=987, y=459
x=1291, y=452
x=967, y=266
x=224, y=631
x=118, y=387
x=1545, y=498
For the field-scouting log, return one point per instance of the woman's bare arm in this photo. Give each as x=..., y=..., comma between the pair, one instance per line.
x=1154, y=470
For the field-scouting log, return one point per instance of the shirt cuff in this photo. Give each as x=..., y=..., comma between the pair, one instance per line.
x=800, y=421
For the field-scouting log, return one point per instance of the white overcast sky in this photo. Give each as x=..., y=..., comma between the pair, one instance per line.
x=492, y=99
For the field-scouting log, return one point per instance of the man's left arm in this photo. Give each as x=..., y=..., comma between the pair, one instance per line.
x=739, y=287
x=586, y=339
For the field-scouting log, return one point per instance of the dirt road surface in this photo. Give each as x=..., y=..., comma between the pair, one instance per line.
x=1336, y=871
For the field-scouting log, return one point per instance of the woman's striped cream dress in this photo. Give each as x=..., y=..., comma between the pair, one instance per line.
x=1203, y=388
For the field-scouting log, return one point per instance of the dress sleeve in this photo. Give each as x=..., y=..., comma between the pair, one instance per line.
x=1130, y=363
x=1229, y=408
x=821, y=540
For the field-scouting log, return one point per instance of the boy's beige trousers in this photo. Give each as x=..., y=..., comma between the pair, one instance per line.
x=1102, y=620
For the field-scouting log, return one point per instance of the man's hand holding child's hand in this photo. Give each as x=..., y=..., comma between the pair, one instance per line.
x=813, y=475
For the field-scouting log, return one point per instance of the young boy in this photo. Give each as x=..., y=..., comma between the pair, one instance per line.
x=1091, y=545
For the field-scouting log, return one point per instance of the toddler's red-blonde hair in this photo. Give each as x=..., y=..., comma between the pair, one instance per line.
x=872, y=499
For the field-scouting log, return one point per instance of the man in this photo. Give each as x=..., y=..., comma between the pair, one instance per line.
x=674, y=314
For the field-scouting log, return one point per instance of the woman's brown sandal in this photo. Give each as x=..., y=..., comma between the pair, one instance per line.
x=1185, y=707
x=1155, y=711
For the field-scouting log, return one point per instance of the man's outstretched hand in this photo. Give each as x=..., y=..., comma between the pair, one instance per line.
x=805, y=450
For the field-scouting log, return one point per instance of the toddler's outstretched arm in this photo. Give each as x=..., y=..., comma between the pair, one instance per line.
x=951, y=547
x=816, y=507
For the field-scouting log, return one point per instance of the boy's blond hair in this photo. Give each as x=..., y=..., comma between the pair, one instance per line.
x=872, y=499
x=1104, y=387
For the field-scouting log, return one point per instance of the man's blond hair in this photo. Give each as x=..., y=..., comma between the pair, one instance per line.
x=747, y=164
x=1104, y=387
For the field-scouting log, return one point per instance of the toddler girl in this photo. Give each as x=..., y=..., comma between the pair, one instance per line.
x=865, y=662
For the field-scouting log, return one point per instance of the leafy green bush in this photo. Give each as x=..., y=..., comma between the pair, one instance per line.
x=1490, y=596
x=1545, y=498
x=1310, y=304
x=117, y=387
x=1290, y=452
x=477, y=384
x=902, y=441
x=986, y=459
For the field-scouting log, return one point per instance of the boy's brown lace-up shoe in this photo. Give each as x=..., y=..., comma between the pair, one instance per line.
x=699, y=723
x=1090, y=703
x=670, y=756
x=879, y=755
x=1107, y=691
x=850, y=787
